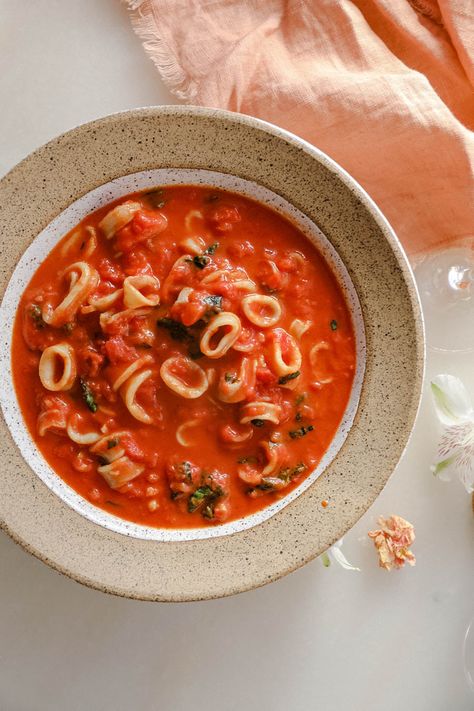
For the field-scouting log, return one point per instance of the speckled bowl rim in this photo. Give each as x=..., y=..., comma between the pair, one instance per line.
x=412, y=404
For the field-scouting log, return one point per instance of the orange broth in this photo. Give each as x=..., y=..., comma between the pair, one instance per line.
x=282, y=263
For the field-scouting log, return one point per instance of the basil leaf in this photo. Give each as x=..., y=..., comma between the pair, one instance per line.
x=197, y=499
x=214, y=301
x=36, y=316
x=200, y=261
x=286, y=378
x=88, y=396
x=294, y=434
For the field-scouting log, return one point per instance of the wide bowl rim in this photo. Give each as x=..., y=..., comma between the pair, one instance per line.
x=389, y=235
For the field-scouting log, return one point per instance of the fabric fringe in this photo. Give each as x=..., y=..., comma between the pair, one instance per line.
x=164, y=59
x=428, y=9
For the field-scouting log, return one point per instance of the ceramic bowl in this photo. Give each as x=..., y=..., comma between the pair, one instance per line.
x=52, y=189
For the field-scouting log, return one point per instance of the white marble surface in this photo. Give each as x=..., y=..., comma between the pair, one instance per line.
x=318, y=639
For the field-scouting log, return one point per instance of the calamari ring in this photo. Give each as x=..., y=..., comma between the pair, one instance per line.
x=48, y=367
x=235, y=388
x=174, y=380
x=129, y=392
x=284, y=356
x=260, y=410
x=254, y=307
x=225, y=319
x=133, y=291
x=83, y=280
x=118, y=217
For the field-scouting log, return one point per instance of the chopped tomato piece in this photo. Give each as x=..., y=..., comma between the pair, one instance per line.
x=265, y=376
x=65, y=450
x=223, y=218
x=237, y=250
x=136, y=262
x=102, y=390
x=110, y=271
x=145, y=225
x=148, y=398
x=89, y=361
x=117, y=351
x=269, y=275
x=190, y=311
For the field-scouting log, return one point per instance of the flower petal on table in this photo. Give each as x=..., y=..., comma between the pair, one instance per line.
x=451, y=399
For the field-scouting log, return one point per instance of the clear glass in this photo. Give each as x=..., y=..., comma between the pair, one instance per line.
x=468, y=654
x=445, y=281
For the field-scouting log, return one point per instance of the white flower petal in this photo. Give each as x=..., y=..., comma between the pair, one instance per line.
x=464, y=464
x=467, y=478
x=452, y=440
x=443, y=470
x=452, y=401
x=336, y=553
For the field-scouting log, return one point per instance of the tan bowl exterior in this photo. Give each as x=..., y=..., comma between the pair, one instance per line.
x=46, y=182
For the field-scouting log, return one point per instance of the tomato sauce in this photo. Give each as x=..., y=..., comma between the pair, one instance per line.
x=204, y=251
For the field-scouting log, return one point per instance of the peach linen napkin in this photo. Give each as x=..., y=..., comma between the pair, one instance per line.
x=385, y=87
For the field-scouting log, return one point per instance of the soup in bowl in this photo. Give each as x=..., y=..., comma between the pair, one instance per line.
x=186, y=358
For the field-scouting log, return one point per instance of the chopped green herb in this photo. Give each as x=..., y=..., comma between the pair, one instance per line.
x=198, y=498
x=113, y=503
x=186, y=470
x=212, y=248
x=36, y=316
x=177, y=331
x=205, y=497
x=301, y=398
x=333, y=325
x=289, y=473
x=214, y=301
x=278, y=482
x=69, y=327
x=286, y=378
x=208, y=511
x=145, y=346
x=229, y=378
x=257, y=422
x=211, y=198
x=194, y=350
x=111, y=443
x=294, y=434
x=200, y=261
x=298, y=417
x=266, y=485
x=88, y=396
x=155, y=198
x=102, y=460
